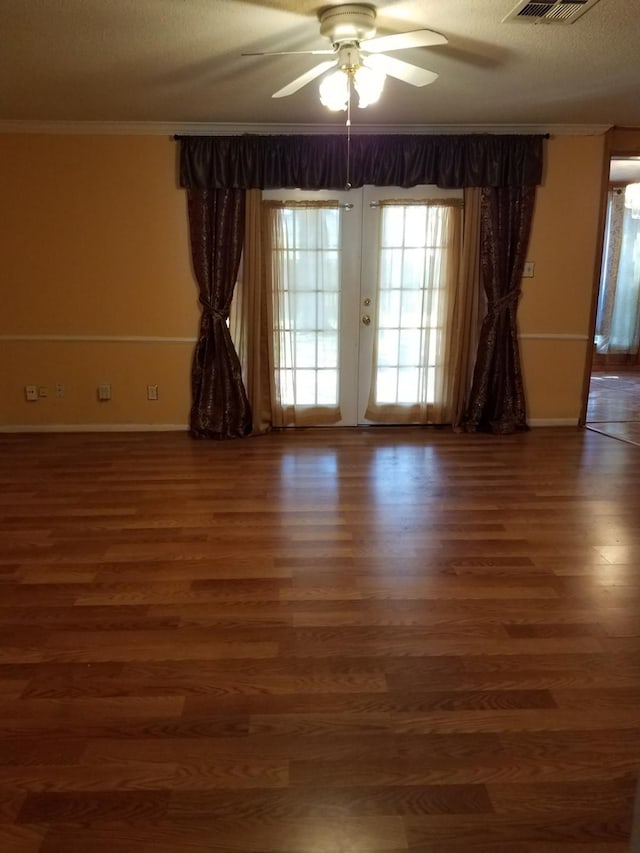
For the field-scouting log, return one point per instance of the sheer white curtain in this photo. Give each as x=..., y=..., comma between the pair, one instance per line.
x=419, y=261
x=289, y=309
x=304, y=246
x=618, y=316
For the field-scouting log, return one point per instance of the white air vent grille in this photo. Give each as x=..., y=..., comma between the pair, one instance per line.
x=549, y=11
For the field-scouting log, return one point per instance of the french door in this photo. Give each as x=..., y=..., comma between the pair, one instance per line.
x=359, y=301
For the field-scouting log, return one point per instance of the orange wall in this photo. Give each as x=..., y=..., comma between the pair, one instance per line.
x=555, y=310
x=94, y=242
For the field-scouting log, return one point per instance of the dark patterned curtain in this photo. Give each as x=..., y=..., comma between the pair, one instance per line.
x=219, y=404
x=215, y=170
x=496, y=402
x=395, y=160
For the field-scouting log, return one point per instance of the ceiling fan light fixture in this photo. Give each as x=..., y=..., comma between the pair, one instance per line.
x=335, y=88
x=360, y=58
x=334, y=91
x=369, y=83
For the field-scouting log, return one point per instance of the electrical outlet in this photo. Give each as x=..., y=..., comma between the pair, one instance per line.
x=59, y=389
x=529, y=267
x=104, y=392
x=31, y=392
x=152, y=392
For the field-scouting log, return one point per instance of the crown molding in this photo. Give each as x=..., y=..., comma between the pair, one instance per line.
x=155, y=128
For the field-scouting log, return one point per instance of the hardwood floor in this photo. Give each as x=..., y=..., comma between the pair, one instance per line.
x=348, y=641
x=614, y=404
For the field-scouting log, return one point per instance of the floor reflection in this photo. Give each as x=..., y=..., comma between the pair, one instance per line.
x=614, y=404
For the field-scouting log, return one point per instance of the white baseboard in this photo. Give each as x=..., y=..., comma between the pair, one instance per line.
x=553, y=422
x=6, y=428
x=93, y=428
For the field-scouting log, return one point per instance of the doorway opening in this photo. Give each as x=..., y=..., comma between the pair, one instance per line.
x=613, y=406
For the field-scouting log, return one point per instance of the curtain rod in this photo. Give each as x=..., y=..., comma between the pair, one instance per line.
x=177, y=137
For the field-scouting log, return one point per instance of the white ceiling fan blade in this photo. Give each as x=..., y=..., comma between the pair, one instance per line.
x=326, y=52
x=402, y=41
x=405, y=71
x=303, y=79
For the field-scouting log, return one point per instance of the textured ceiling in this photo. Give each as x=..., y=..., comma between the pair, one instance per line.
x=178, y=61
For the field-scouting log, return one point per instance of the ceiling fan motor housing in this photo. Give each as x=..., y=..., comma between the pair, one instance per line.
x=350, y=23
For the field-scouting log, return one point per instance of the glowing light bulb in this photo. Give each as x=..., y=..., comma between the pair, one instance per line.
x=369, y=83
x=334, y=91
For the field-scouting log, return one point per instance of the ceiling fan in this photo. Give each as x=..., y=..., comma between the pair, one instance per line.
x=358, y=57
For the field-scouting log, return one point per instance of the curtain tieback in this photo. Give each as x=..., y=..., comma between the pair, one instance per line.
x=214, y=313
x=504, y=301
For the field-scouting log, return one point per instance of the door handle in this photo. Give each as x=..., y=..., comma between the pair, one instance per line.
x=366, y=320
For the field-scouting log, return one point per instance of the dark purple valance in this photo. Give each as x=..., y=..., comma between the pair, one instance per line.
x=316, y=162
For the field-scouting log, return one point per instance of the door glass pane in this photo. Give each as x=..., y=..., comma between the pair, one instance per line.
x=415, y=227
x=413, y=268
x=388, y=340
x=328, y=311
x=306, y=288
x=390, y=302
x=410, y=326
x=411, y=308
x=327, y=349
x=408, y=385
x=410, y=348
x=390, y=267
x=305, y=349
x=304, y=386
x=327, y=387
x=387, y=385
x=304, y=310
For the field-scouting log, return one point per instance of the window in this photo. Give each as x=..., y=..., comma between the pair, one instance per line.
x=412, y=302
x=306, y=304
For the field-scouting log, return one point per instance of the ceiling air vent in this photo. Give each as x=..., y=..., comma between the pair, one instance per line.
x=549, y=11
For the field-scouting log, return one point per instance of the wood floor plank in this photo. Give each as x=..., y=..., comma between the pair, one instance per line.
x=564, y=798
x=11, y=802
x=331, y=803
x=21, y=839
x=463, y=847
x=26, y=752
x=612, y=828
x=281, y=748
x=102, y=711
x=319, y=641
x=130, y=775
x=91, y=808
x=561, y=847
x=360, y=835
x=551, y=720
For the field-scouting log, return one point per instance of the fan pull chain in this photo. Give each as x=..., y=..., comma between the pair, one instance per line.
x=348, y=123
